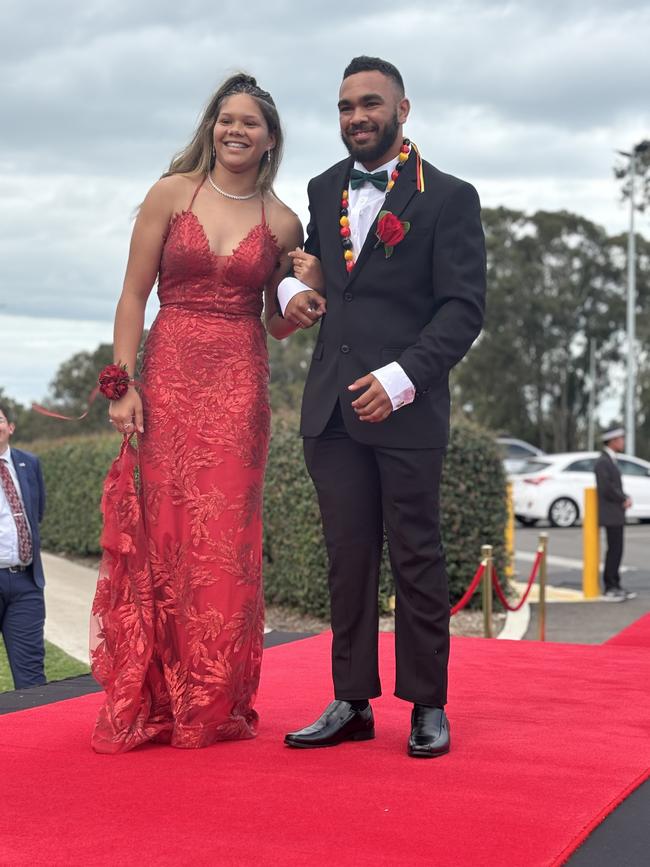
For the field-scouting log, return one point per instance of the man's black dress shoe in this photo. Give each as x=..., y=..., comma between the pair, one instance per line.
x=340, y=722
x=429, y=732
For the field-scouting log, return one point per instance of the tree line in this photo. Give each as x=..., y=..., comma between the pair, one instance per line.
x=556, y=285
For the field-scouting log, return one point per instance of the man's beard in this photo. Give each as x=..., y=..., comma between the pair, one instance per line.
x=365, y=154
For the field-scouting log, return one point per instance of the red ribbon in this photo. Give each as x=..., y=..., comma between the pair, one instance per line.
x=36, y=407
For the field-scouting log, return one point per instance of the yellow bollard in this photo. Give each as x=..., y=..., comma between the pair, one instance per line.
x=486, y=554
x=543, y=574
x=590, y=545
x=510, y=534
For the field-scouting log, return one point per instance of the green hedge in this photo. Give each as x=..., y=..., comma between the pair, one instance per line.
x=295, y=566
x=74, y=472
x=473, y=514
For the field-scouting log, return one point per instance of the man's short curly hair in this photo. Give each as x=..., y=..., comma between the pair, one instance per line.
x=374, y=64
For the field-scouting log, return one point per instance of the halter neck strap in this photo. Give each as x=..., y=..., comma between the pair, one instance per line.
x=194, y=194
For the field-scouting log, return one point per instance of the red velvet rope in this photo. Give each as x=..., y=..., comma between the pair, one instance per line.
x=470, y=590
x=501, y=594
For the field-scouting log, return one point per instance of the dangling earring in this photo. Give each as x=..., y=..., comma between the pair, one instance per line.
x=268, y=155
x=214, y=153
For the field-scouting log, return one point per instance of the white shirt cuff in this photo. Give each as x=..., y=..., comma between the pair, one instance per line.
x=396, y=384
x=289, y=287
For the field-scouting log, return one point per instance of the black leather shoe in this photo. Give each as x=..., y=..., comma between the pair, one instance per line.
x=339, y=723
x=429, y=732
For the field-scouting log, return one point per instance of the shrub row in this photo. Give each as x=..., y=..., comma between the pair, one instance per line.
x=295, y=566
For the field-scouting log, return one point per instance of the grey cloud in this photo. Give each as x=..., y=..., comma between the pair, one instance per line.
x=97, y=96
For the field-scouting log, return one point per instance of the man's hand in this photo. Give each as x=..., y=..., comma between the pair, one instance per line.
x=305, y=309
x=627, y=503
x=373, y=405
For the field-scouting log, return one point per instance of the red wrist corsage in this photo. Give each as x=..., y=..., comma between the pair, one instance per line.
x=390, y=231
x=114, y=381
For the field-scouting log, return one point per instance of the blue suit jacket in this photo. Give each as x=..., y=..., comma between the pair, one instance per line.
x=30, y=478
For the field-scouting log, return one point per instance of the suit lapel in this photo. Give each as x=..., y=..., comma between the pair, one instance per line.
x=395, y=202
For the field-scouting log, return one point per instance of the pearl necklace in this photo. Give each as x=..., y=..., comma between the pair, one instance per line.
x=230, y=195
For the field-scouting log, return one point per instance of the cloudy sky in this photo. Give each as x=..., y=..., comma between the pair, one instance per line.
x=526, y=99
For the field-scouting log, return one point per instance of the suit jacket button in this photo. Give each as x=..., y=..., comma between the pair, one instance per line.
x=347, y=296
x=345, y=349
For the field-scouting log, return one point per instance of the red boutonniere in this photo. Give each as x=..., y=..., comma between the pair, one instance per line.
x=114, y=381
x=390, y=231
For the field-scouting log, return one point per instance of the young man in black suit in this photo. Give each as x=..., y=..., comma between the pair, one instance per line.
x=22, y=604
x=401, y=312
x=612, y=503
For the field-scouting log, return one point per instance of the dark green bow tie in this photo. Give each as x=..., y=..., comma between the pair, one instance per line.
x=379, y=179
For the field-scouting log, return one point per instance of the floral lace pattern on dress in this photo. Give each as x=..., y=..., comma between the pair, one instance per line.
x=179, y=611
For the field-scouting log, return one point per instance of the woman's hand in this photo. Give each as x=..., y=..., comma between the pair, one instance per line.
x=307, y=269
x=126, y=413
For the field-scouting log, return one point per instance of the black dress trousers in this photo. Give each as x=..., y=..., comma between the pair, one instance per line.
x=362, y=489
x=611, y=574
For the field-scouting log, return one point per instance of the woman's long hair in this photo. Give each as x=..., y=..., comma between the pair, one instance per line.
x=197, y=156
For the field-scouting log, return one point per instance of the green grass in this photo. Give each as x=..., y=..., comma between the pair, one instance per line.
x=57, y=665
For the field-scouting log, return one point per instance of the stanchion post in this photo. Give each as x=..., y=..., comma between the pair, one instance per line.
x=486, y=554
x=590, y=545
x=510, y=533
x=543, y=574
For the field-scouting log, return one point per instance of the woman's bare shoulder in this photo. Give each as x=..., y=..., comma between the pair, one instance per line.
x=285, y=222
x=172, y=192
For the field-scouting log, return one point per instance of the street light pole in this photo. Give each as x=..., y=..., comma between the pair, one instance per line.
x=591, y=421
x=630, y=414
x=630, y=391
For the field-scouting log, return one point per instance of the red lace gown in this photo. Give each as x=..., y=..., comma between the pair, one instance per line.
x=178, y=613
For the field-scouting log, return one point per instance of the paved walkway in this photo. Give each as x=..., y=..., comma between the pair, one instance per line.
x=69, y=592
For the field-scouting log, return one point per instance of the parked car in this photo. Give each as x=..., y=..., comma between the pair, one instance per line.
x=552, y=487
x=516, y=453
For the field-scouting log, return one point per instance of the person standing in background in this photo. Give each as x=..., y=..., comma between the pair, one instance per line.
x=612, y=503
x=22, y=603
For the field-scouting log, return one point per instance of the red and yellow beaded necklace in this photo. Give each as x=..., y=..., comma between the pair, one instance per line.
x=344, y=220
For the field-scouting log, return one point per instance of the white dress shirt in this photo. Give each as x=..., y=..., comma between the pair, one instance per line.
x=8, y=533
x=365, y=204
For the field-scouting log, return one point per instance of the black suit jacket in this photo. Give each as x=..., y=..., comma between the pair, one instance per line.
x=610, y=492
x=422, y=307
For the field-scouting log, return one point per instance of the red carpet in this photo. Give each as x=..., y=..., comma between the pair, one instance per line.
x=547, y=739
x=636, y=634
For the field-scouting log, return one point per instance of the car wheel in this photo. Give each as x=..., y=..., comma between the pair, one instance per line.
x=526, y=522
x=563, y=512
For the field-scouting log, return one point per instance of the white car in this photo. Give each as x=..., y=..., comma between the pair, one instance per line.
x=552, y=487
x=516, y=453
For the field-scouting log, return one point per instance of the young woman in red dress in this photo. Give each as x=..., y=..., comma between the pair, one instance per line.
x=179, y=606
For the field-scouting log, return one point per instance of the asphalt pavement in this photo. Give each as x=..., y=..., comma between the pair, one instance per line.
x=582, y=621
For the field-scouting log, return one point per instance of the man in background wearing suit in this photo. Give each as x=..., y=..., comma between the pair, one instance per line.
x=405, y=301
x=22, y=604
x=612, y=503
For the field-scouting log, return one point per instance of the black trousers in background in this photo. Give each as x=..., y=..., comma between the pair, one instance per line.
x=611, y=576
x=360, y=490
